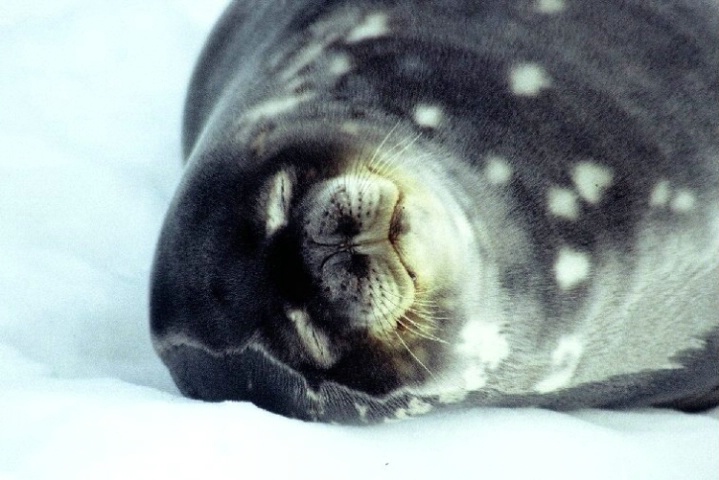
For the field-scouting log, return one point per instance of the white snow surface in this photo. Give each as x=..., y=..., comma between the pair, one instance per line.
x=91, y=95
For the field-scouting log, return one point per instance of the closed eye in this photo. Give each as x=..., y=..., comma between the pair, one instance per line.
x=277, y=198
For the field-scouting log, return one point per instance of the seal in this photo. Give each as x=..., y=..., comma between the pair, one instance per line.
x=395, y=207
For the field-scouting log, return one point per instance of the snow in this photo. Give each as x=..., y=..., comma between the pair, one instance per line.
x=90, y=106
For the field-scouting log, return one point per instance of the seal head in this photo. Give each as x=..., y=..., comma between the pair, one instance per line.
x=327, y=263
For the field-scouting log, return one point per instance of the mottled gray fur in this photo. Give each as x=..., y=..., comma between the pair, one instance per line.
x=581, y=135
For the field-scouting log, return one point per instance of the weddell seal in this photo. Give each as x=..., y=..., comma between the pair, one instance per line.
x=395, y=207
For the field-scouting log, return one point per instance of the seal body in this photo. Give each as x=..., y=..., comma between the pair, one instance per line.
x=391, y=207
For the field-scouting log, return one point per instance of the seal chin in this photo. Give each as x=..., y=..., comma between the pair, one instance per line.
x=351, y=225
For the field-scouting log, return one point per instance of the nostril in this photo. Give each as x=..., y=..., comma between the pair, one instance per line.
x=359, y=266
x=347, y=226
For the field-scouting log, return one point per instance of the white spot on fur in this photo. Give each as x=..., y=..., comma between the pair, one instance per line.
x=340, y=64
x=563, y=203
x=484, y=342
x=571, y=268
x=498, y=171
x=428, y=115
x=418, y=407
x=528, y=79
x=565, y=359
x=414, y=408
x=399, y=414
x=373, y=26
x=316, y=343
x=304, y=57
x=475, y=377
x=313, y=396
x=683, y=201
x=362, y=410
x=550, y=6
x=591, y=180
x=351, y=128
x=660, y=194
x=483, y=347
x=276, y=106
x=278, y=201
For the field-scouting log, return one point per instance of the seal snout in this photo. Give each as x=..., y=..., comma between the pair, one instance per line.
x=350, y=224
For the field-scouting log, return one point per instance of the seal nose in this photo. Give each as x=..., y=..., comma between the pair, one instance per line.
x=347, y=247
x=348, y=215
x=357, y=208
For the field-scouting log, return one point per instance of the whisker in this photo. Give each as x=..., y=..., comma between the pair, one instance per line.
x=417, y=301
x=425, y=303
x=425, y=327
x=458, y=386
x=384, y=140
x=406, y=347
x=385, y=164
x=416, y=330
x=416, y=359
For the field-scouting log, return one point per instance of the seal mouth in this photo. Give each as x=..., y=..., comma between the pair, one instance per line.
x=399, y=226
x=396, y=223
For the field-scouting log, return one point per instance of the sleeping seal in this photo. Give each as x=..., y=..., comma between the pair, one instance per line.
x=395, y=207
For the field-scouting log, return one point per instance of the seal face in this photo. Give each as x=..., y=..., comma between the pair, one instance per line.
x=394, y=207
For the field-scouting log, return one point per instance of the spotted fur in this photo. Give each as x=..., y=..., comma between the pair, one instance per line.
x=579, y=144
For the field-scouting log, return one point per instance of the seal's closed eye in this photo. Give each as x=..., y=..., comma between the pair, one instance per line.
x=276, y=198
